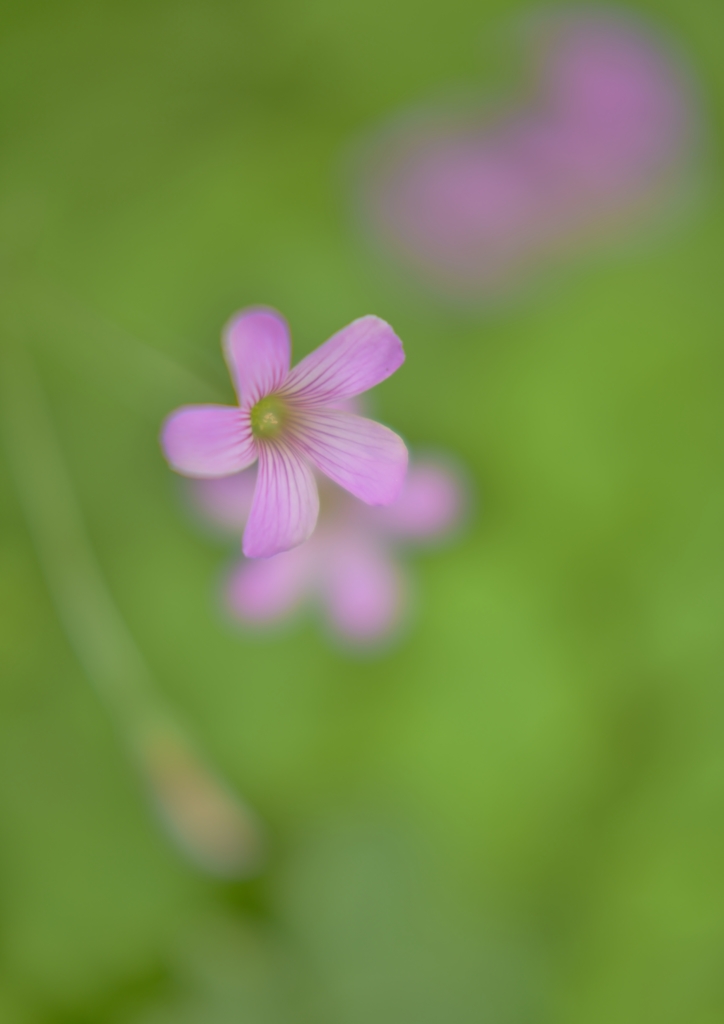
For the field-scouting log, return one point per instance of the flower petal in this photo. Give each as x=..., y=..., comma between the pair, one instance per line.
x=364, y=591
x=286, y=503
x=208, y=440
x=258, y=350
x=431, y=503
x=270, y=588
x=354, y=359
x=362, y=456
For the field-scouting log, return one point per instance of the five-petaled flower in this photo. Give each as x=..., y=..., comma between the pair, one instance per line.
x=349, y=568
x=291, y=421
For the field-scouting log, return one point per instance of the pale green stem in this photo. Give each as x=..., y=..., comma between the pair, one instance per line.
x=56, y=302
x=211, y=824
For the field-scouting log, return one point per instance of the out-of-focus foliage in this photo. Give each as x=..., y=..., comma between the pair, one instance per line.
x=518, y=814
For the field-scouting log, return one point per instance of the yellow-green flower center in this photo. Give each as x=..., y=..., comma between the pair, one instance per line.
x=268, y=417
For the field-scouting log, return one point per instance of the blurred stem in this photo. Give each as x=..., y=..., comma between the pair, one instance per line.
x=209, y=822
x=93, y=625
x=154, y=362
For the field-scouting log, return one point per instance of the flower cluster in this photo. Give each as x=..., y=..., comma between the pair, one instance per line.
x=302, y=428
x=604, y=139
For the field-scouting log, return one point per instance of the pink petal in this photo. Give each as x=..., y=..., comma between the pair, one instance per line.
x=362, y=456
x=208, y=440
x=225, y=501
x=354, y=404
x=430, y=503
x=352, y=361
x=286, y=503
x=272, y=588
x=258, y=350
x=364, y=591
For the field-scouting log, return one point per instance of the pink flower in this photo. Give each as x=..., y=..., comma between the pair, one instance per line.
x=605, y=138
x=291, y=421
x=347, y=567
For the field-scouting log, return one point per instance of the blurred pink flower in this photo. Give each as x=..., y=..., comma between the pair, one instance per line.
x=473, y=202
x=291, y=421
x=347, y=566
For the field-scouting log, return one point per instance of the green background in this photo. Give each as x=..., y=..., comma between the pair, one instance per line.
x=516, y=814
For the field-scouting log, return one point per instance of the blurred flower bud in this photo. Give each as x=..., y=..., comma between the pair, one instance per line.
x=212, y=825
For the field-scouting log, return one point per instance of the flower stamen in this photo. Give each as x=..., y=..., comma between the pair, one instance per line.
x=268, y=417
